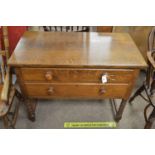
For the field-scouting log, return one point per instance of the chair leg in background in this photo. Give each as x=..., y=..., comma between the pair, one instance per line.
x=150, y=119
x=138, y=92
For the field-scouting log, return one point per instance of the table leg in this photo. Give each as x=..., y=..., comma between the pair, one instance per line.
x=120, y=110
x=31, y=107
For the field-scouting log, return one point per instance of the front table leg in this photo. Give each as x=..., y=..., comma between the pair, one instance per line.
x=31, y=107
x=120, y=110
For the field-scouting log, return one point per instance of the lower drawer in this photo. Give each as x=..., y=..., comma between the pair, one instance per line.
x=87, y=91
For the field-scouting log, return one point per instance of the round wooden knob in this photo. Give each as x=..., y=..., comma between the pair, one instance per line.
x=48, y=76
x=102, y=91
x=50, y=91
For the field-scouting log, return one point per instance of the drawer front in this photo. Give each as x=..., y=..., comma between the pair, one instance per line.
x=89, y=91
x=76, y=75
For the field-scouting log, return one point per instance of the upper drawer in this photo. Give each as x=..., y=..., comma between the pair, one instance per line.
x=53, y=75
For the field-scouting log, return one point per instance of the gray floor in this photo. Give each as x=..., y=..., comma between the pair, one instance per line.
x=53, y=113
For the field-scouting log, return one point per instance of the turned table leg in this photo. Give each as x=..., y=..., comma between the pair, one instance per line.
x=119, y=112
x=31, y=107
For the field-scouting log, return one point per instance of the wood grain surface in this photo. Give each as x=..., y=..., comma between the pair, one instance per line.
x=60, y=49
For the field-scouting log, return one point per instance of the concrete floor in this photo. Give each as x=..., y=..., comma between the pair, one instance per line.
x=51, y=114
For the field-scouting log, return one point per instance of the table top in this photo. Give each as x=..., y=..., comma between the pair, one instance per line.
x=72, y=49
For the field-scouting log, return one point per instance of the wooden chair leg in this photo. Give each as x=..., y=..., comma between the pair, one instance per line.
x=15, y=115
x=9, y=120
x=138, y=92
x=148, y=125
x=152, y=90
x=120, y=110
x=150, y=119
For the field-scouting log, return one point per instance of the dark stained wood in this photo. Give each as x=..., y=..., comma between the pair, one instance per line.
x=60, y=49
x=31, y=107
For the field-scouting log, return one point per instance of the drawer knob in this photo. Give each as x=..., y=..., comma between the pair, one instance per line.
x=48, y=76
x=50, y=91
x=102, y=91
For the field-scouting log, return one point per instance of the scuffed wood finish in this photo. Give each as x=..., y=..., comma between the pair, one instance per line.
x=60, y=49
x=85, y=75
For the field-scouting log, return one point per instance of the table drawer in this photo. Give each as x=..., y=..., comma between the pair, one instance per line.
x=76, y=75
x=88, y=91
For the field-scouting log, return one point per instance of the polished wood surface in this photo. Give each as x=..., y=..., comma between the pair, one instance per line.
x=56, y=49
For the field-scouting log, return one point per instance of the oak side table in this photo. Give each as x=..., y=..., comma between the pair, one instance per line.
x=60, y=65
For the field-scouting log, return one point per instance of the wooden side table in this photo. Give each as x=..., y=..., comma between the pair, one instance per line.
x=73, y=65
